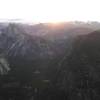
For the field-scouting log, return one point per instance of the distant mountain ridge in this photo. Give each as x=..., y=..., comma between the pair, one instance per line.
x=64, y=57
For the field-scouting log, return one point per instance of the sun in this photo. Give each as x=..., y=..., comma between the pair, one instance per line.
x=54, y=19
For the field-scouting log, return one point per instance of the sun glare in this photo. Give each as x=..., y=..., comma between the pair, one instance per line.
x=50, y=10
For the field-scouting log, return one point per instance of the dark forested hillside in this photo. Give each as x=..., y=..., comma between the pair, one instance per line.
x=81, y=70
x=49, y=62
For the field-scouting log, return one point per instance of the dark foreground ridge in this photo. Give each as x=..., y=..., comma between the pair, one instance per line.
x=56, y=63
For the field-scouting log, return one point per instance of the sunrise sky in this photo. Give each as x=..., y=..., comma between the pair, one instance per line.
x=50, y=10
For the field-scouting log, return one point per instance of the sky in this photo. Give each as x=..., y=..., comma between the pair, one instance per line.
x=50, y=10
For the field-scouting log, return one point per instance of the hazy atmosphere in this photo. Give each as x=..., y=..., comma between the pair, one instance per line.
x=49, y=50
x=49, y=10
